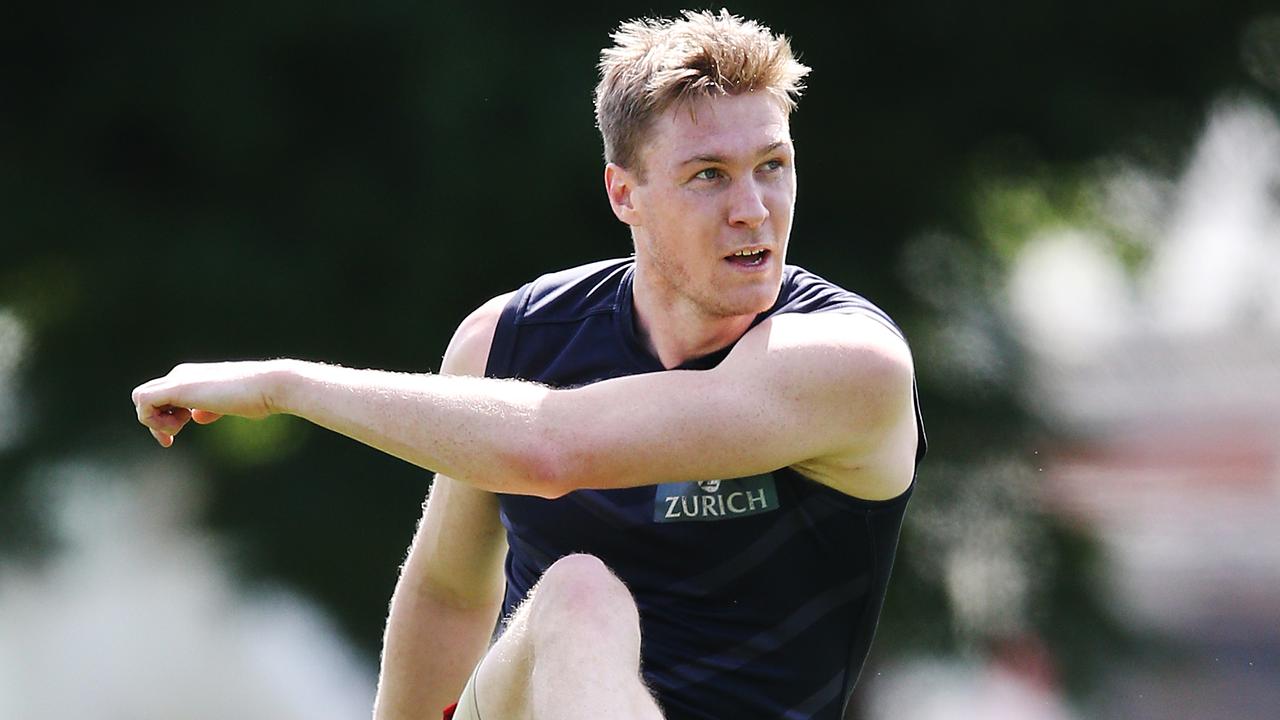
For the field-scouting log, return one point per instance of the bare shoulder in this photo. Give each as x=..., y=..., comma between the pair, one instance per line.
x=833, y=347
x=854, y=377
x=859, y=332
x=468, y=351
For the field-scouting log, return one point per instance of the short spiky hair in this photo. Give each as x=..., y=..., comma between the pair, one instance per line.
x=655, y=63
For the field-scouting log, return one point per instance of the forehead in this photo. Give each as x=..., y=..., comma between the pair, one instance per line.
x=726, y=126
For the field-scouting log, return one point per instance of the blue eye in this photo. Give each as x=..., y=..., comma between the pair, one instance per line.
x=773, y=165
x=707, y=174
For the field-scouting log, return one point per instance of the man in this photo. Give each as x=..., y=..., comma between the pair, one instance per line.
x=693, y=490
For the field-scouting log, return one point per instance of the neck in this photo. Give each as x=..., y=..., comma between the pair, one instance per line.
x=674, y=329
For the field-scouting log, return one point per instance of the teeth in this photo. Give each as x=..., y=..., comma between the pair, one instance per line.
x=748, y=253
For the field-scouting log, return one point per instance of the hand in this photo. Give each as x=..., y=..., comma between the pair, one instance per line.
x=204, y=392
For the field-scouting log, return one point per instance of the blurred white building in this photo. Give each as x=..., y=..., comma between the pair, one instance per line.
x=1170, y=385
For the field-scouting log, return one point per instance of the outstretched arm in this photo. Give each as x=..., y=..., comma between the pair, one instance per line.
x=828, y=391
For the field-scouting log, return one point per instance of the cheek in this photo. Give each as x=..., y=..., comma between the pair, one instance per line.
x=685, y=222
x=782, y=205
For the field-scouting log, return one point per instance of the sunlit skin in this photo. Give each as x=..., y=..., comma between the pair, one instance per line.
x=716, y=180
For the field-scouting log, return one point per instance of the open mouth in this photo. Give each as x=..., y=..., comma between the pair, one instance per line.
x=748, y=258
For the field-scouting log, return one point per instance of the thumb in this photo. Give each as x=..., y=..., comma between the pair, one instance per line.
x=204, y=417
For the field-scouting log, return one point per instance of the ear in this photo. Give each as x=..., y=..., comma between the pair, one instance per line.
x=618, y=184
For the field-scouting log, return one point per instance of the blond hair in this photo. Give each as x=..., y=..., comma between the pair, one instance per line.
x=655, y=63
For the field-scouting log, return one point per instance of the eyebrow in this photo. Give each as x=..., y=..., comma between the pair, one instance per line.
x=713, y=158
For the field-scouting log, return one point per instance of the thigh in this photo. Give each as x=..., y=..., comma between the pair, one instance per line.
x=500, y=685
x=571, y=650
x=467, y=708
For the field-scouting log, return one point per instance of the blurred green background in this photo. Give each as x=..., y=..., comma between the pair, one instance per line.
x=346, y=182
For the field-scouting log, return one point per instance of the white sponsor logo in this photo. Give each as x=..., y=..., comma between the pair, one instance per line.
x=714, y=499
x=713, y=506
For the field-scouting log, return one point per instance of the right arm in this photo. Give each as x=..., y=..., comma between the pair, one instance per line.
x=446, y=603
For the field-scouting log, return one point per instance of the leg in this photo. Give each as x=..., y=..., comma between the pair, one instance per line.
x=572, y=650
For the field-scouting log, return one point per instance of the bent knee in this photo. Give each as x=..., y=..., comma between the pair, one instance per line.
x=578, y=569
x=583, y=588
x=582, y=578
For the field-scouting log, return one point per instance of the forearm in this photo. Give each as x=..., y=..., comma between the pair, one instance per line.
x=429, y=652
x=481, y=431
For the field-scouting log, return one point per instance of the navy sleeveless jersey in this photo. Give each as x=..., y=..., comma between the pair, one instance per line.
x=758, y=596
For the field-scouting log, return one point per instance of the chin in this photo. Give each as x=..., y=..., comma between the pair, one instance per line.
x=752, y=302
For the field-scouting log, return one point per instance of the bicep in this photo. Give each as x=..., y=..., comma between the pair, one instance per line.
x=460, y=544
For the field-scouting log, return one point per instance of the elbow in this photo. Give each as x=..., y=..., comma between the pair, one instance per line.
x=535, y=466
x=551, y=472
x=543, y=474
x=555, y=466
x=561, y=453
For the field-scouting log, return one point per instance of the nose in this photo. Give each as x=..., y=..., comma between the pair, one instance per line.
x=747, y=208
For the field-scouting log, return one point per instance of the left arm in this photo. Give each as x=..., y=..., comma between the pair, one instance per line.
x=828, y=393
